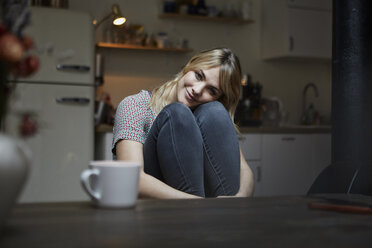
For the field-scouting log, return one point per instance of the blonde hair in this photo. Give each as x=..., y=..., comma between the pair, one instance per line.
x=230, y=79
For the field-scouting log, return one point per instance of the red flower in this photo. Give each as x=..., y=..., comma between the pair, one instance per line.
x=28, y=126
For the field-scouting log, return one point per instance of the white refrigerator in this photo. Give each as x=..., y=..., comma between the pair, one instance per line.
x=61, y=97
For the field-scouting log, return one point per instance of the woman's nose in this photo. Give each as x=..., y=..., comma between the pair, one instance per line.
x=197, y=89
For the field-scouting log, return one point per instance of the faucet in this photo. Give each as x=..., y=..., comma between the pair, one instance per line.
x=305, y=118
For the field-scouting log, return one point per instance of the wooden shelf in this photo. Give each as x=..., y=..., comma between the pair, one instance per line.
x=205, y=18
x=136, y=47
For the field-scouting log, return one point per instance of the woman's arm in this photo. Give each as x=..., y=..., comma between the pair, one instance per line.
x=246, y=178
x=149, y=186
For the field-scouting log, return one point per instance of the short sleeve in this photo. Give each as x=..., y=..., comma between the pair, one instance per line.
x=130, y=119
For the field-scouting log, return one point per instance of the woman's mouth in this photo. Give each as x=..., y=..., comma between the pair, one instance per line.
x=189, y=97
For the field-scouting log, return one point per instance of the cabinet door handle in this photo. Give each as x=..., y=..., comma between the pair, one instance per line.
x=73, y=100
x=241, y=138
x=288, y=139
x=291, y=43
x=75, y=68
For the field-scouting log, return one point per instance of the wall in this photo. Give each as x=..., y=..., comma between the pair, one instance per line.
x=127, y=72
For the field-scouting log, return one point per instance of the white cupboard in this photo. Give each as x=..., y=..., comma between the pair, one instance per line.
x=251, y=146
x=287, y=163
x=296, y=29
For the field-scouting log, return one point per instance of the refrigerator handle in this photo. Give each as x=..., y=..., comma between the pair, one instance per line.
x=73, y=100
x=78, y=68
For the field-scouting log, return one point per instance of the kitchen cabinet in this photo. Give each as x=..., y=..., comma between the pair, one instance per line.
x=296, y=29
x=286, y=162
x=291, y=162
x=251, y=146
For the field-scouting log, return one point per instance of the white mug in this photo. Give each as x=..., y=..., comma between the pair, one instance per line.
x=112, y=184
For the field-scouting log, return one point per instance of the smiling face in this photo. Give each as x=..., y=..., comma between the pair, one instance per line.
x=199, y=86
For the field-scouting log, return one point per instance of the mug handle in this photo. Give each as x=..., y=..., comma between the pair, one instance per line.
x=84, y=179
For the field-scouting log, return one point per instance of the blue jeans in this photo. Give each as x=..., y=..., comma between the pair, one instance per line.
x=196, y=152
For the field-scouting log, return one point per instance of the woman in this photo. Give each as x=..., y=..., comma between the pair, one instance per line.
x=183, y=132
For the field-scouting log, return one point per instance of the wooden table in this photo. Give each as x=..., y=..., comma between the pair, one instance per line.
x=228, y=222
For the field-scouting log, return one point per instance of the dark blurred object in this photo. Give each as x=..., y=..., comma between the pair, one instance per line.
x=348, y=203
x=15, y=58
x=334, y=179
x=99, y=70
x=51, y=3
x=192, y=10
x=271, y=111
x=351, y=83
x=104, y=112
x=351, y=168
x=28, y=126
x=169, y=7
x=309, y=115
x=101, y=112
x=248, y=111
x=201, y=8
x=343, y=178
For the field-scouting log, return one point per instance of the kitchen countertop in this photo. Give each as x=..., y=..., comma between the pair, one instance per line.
x=104, y=128
x=286, y=129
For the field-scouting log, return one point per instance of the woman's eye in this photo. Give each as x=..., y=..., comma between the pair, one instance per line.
x=212, y=91
x=198, y=75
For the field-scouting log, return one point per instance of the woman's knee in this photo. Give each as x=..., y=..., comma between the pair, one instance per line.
x=176, y=107
x=178, y=113
x=213, y=113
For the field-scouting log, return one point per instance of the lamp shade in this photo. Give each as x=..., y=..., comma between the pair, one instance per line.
x=118, y=18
